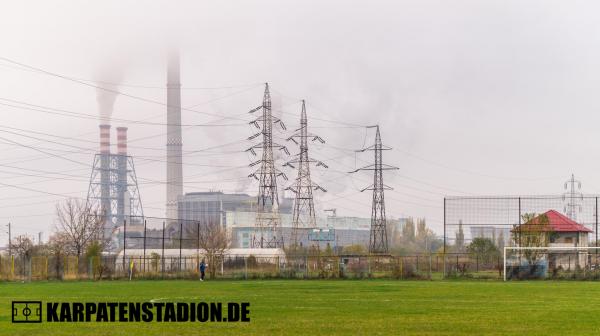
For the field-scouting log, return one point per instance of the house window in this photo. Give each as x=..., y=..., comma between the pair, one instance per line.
x=569, y=240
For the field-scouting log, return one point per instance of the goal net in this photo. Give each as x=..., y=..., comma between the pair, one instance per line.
x=555, y=262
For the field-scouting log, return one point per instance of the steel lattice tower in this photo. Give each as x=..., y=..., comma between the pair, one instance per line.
x=267, y=233
x=572, y=197
x=113, y=188
x=378, y=242
x=303, y=217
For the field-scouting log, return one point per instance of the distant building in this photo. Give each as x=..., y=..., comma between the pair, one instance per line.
x=491, y=232
x=237, y=213
x=562, y=231
x=346, y=230
x=211, y=207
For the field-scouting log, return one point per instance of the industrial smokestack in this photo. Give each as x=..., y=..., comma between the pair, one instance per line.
x=105, y=172
x=105, y=139
x=122, y=140
x=122, y=213
x=174, y=143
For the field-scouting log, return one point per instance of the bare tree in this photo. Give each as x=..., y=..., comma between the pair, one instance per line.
x=58, y=247
x=79, y=224
x=22, y=246
x=213, y=239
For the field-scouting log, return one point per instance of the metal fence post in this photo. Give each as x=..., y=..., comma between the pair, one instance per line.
x=401, y=259
x=429, y=266
x=519, y=231
x=124, y=241
x=162, y=258
x=306, y=266
x=417, y=263
x=180, y=240
x=444, y=266
x=144, y=246
x=504, y=264
x=444, y=226
x=245, y=267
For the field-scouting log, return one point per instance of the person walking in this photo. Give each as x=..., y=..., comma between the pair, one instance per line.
x=202, y=269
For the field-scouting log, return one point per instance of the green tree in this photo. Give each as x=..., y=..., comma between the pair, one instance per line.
x=484, y=249
x=408, y=231
x=534, y=232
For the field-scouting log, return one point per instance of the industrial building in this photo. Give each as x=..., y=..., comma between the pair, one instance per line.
x=236, y=212
x=212, y=206
x=333, y=230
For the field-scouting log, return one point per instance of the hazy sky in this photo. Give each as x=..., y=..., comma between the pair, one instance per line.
x=475, y=97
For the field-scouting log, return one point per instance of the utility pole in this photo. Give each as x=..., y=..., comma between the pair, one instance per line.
x=267, y=232
x=378, y=242
x=572, y=197
x=303, y=216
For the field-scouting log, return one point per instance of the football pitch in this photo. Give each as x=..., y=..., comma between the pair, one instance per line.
x=342, y=307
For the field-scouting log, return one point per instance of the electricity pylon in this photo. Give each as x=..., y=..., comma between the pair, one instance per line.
x=378, y=242
x=303, y=217
x=573, y=205
x=267, y=232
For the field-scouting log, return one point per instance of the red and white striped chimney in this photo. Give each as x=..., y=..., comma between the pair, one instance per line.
x=122, y=140
x=104, y=139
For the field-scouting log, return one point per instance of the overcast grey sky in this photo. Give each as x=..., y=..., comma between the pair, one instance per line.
x=475, y=97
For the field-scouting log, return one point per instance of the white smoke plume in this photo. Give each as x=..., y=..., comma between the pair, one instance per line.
x=108, y=79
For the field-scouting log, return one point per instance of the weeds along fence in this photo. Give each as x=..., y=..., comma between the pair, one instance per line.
x=413, y=267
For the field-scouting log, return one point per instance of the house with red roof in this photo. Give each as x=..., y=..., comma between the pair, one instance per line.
x=558, y=230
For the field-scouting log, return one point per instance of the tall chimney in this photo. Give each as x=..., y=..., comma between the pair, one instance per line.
x=122, y=140
x=105, y=174
x=174, y=143
x=104, y=139
x=122, y=214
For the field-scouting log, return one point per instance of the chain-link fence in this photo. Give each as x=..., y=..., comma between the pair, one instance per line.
x=155, y=266
x=498, y=218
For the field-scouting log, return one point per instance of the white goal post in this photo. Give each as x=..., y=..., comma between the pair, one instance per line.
x=579, y=251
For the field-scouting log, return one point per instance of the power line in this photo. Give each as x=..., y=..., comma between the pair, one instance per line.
x=141, y=86
x=67, y=113
x=111, y=90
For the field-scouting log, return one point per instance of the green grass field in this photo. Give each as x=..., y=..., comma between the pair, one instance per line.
x=361, y=307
